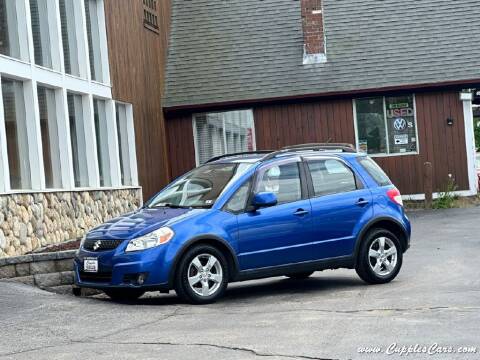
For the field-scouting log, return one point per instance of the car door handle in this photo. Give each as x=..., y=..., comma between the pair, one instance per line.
x=362, y=202
x=300, y=212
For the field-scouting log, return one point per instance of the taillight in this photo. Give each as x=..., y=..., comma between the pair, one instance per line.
x=395, y=196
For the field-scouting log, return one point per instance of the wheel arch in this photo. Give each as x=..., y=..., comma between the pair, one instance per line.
x=387, y=223
x=214, y=241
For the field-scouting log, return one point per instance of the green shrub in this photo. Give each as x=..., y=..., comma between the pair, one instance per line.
x=447, y=198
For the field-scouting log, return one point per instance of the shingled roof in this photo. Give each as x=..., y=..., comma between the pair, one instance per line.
x=234, y=50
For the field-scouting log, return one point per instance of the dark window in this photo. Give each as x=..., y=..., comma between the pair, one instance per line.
x=386, y=125
x=238, y=201
x=374, y=171
x=283, y=180
x=331, y=177
x=150, y=15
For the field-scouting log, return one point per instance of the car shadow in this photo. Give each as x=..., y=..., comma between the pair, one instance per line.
x=273, y=287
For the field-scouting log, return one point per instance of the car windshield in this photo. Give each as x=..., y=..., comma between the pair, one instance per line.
x=201, y=187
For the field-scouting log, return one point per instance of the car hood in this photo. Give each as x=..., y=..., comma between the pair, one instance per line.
x=140, y=222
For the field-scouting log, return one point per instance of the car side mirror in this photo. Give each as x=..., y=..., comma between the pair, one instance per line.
x=264, y=199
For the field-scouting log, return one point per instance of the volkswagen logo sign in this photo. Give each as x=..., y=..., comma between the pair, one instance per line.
x=97, y=245
x=400, y=124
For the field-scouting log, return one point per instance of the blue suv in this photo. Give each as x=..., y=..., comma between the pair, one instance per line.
x=252, y=215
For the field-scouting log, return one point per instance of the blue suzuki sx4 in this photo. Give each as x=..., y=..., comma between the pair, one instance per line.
x=248, y=216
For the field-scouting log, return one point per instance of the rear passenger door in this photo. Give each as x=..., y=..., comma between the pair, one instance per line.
x=340, y=202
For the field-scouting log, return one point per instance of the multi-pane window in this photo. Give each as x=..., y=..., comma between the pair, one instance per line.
x=77, y=138
x=13, y=32
x=150, y=15
x=125, y=143
x=16, y=134
x=41, y=20
x=222, y=133
x=386, y=125
x=101, y=136
x=69, y=37
x=93, y=36
x=50, y=137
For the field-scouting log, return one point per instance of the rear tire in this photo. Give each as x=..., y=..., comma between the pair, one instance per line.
x=202, y=275
x=124, y=294
x=380, y=257
x=300, y=276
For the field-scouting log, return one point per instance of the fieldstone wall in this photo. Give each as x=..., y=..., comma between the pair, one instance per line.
x=31, y=221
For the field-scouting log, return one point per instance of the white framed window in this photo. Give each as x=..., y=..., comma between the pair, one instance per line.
x=77, y=138
x=93, y=36
x=47, y=105
x=13, y=29
x=69, y=25
x=42, y=15
x=386, y=125
x=16, y=134
x=126, y=144
x=59, y=132
x=101, y=137
x=219, y=133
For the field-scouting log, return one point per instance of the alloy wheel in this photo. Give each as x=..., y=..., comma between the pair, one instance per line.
x=205, y=275
x=382, y=256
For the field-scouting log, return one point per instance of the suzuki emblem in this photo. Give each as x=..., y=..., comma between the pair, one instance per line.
x=96, y=245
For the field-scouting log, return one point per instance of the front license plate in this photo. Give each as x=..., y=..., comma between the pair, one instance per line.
x=90, y=265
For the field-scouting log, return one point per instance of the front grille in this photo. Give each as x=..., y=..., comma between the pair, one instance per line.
x=101, y=245
x=102, y=277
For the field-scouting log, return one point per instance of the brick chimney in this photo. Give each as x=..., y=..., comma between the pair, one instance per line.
x=313, y=33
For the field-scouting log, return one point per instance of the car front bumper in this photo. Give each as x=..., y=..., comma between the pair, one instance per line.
x=118, y=269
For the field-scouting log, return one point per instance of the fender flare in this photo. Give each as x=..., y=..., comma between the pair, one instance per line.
x=214, y=239
x=371, y=224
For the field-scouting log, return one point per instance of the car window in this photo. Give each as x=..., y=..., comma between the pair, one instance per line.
x=375, y=171
x=331, y=176
x=283, y=180
x=200, y=187
x=238, y=201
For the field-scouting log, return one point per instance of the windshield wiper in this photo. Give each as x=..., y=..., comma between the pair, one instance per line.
x=170, y=205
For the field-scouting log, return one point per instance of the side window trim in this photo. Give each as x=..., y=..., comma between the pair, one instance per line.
x=359, y=185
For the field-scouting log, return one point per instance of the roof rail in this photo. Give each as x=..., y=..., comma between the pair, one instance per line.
x=342, y=147
x=239, y=153
x=345, y=147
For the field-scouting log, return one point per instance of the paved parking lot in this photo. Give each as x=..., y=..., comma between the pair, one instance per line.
x=435, y=299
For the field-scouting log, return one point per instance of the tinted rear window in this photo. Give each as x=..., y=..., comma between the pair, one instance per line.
x=375, y=171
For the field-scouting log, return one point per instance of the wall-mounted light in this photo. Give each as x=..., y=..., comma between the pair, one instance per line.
x=449, y=121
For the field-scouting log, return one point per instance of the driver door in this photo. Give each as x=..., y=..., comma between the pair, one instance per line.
x=273, y=235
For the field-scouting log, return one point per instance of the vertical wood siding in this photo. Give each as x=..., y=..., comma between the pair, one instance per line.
x=137, y=62
x=288, y=124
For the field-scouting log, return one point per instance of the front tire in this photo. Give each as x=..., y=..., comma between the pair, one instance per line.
x=202, y=275
x=124, y=294
x=380, y=257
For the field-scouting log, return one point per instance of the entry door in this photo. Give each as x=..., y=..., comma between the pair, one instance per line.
x=271, y=236
x=339, y=205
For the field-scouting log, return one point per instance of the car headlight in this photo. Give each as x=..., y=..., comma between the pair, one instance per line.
x=81, y=243
x=150, y=240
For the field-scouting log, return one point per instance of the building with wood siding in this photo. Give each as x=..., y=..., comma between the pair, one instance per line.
x=392, y=77
x=81, y=121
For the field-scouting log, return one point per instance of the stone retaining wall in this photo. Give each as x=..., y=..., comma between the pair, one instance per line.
x=48, y=271
x=31, y=221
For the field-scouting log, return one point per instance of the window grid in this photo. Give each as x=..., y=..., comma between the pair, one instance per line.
x=27, y=72
x=150, y=15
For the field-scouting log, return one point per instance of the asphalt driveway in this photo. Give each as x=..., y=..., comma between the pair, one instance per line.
x=435, y=299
